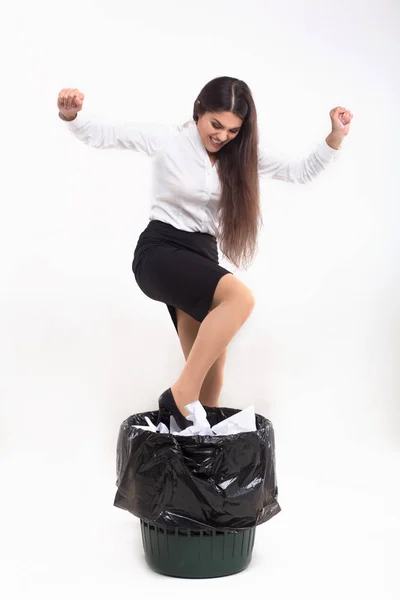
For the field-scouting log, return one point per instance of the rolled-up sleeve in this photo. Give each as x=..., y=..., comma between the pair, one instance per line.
x=296, y=170
x=146, y=138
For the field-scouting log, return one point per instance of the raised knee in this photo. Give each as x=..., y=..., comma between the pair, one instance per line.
x=250, y=300
x=246, y=300
x=231, y=289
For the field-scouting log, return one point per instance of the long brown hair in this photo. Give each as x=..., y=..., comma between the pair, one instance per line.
x=237, y=165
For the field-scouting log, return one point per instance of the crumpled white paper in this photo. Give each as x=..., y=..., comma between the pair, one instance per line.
x=242, y=421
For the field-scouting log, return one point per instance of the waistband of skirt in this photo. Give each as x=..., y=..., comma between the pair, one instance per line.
x=174, y=231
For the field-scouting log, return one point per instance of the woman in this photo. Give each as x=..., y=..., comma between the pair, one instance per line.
x=206, y=189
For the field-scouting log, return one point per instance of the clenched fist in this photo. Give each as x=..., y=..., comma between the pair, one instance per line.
x=70, y=102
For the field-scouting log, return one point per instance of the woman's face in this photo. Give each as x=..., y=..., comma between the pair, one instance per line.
x=217, y=129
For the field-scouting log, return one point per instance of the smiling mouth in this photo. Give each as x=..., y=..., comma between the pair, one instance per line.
x=214, y=143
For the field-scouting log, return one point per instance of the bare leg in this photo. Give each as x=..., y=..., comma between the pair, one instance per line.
x=188, y=329
x=213, y=382
x=232, y=305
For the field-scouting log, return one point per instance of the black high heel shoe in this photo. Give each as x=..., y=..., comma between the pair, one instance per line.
x=167, y=407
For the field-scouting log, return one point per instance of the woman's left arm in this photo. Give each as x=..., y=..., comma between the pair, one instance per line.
x=304, y=170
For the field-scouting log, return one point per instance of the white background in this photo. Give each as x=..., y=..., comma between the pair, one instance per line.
x=82, y=348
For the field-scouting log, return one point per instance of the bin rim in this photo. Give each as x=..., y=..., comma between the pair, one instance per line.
x=261, y=420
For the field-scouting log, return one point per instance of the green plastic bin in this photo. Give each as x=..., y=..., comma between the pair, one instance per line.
x=196, y=554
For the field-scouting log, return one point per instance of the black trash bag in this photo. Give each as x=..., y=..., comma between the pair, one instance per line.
x=197, y=482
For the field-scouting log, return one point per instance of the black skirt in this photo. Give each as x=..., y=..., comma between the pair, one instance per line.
x=178, y=268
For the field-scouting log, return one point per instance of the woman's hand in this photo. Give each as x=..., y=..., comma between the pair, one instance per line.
x=70, y=102
x=341, y=119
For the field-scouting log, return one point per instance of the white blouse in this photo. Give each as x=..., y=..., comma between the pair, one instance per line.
x=186, y=186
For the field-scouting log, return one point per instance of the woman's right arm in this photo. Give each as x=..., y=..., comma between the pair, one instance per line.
x=146, y=138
